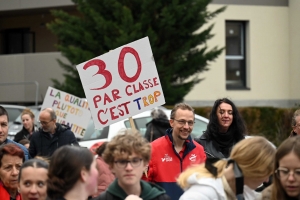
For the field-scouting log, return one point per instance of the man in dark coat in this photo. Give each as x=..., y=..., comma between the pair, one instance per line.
x=50, y=136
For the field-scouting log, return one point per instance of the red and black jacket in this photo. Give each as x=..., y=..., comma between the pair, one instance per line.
x=166, y=164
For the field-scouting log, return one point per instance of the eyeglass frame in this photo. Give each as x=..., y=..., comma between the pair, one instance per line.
x=119, y=165
x=183, y=122
x=297, y=126
x=45, y=123
x=288, y=171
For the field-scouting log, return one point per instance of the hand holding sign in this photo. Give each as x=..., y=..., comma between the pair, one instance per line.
x=121, y=83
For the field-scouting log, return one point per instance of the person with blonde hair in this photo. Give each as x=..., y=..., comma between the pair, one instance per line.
x=128, y=155
x=286, y=181
x=29, y=127
x=295, y=123
x=249, y=165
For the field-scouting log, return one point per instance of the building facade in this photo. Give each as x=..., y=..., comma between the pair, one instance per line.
x=258, y=67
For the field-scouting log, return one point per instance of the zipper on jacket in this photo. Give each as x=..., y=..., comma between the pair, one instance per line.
x=209, y=154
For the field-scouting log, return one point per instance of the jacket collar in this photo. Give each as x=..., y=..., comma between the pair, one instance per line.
x=188, y=142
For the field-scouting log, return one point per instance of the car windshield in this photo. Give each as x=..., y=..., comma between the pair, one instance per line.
x=13, y=113
x=140, y=124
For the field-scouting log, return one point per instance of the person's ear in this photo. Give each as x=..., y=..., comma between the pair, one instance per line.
x=171, y=121
x=111, y=168
x=83, y=175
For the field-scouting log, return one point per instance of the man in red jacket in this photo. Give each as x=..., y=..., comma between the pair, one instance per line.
x=174, y=152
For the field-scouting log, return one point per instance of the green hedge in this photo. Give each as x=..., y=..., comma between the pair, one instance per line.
x=273, y=123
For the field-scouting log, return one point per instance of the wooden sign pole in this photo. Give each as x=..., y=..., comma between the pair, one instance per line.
x=132, y=125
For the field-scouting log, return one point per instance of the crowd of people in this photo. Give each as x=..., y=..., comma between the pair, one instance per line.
x=165, y=164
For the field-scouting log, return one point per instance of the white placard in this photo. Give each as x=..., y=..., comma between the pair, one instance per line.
x=121, y=83
x=69, y=109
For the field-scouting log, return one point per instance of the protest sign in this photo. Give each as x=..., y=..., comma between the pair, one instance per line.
x=69, y=109
x=121, y=83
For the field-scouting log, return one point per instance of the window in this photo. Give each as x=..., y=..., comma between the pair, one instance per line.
x=92, y=134
x=235, y=55
x=140, y=124
x=198, y=129
x=19, y=40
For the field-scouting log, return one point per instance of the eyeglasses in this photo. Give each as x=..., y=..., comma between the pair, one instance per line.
x=284, y=174
x=44, y=123
x=182, y=122
x=135, y=162
x=297, y=125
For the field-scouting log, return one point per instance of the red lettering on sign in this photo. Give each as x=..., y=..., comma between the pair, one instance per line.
x=96, y=99
x=140, y=86
x=99, y=117
x=121, y=68
x=101, y=70
x=113, y=113
x=115, y=93
x=106, y=97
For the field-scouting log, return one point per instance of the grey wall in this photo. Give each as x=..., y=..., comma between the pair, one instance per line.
x=40, y=67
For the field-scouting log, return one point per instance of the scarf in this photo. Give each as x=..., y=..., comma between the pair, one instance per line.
x=223, y=142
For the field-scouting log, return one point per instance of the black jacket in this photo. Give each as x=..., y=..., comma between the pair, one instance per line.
x=42, y=144
x=211, y=150
x=23, y=134
x=158, y=127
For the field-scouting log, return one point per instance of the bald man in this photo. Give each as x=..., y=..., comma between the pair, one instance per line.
x=50, y=136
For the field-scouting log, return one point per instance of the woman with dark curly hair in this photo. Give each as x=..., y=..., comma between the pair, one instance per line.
x=225, y=128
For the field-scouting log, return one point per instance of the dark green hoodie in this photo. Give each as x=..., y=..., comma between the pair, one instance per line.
x=150, y=191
